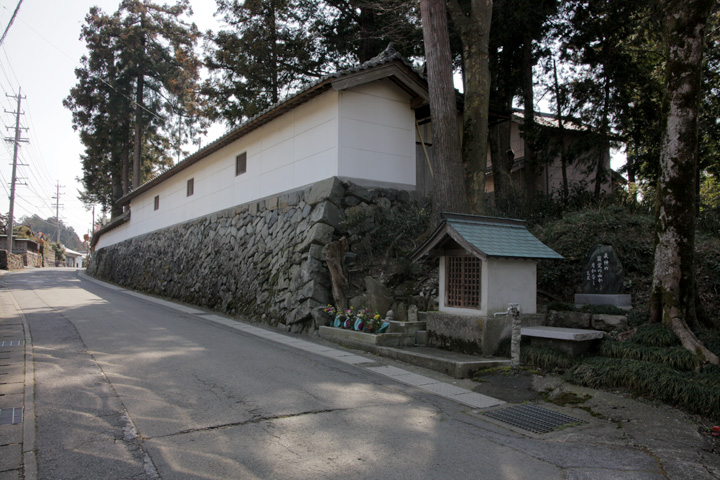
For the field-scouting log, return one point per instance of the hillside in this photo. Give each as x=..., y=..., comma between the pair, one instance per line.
x=68, y=237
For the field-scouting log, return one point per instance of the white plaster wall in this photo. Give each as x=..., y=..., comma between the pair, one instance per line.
x=503, y=281
x=377, y=134
x=510, y=281
x=366, y=134
x=295, y=150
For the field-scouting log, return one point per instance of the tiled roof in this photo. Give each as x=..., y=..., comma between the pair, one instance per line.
x=489, y=237
x=500, y=238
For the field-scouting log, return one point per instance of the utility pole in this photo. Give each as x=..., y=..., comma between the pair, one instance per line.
x=16, y=141
x=57, y=212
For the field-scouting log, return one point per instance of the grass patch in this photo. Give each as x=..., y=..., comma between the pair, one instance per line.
x=651, y=364
x=675, y=357
x=694, y=392
x=711, y=339
x=492, y=370
x=547, y=359
x=655, y=335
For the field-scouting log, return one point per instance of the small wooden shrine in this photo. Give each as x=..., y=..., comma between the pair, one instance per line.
x=486, y=263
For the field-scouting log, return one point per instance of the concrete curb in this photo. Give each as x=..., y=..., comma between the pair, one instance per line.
x=29, y=456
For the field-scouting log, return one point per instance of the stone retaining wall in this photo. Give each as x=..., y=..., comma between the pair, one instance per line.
x=262, y=259
x=32, y=259
x=10, y=261
x=48, y=257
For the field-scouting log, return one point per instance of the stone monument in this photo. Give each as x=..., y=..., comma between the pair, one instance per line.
x=603, y=278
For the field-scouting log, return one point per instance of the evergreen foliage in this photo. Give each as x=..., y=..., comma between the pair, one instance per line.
x=266, y=53
x=135, y=96
x=272, y=48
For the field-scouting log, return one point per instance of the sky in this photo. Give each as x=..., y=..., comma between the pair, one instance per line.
x=38, y=57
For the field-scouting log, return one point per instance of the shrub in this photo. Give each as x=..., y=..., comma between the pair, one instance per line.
x=629, y=233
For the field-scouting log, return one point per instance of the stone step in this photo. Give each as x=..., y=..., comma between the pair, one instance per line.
x=456, y=365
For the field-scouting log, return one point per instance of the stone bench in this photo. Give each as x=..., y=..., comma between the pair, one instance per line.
x=574, y=341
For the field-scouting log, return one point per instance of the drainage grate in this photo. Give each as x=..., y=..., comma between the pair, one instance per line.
x=533, y=418
x=11, y=416
x=12, y=343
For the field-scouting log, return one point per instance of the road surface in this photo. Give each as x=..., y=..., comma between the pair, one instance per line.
x=131, y=387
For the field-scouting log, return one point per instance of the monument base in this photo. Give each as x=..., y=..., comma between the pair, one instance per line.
x=617, y=299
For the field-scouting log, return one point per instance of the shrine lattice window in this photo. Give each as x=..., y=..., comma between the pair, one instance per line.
x=463, y=274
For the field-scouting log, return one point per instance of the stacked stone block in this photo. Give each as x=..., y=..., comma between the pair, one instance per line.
x=262, y=259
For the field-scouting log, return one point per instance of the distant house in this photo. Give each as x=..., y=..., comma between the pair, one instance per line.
x=29, y=249
x=581, y=155
x=74, y=259
x=580, y=172
x=369, y=125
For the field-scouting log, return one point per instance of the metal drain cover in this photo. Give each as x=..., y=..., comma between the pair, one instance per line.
x=533, y=418
x=11, y=416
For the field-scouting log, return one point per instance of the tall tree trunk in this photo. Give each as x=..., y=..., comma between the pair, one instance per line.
x=448, y=184
x=672, y=298
x=561, y=132
x=116, y=185
x=137, y=150
x=600, y=173
x=126, y=161
x=530, y=169
x=475, y=35
x=499, y=135
x=499, y=139
x=139, y=106
x=334, y=255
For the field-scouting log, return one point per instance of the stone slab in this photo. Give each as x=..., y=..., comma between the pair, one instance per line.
x=559, y=333
x=453, y=364
x=619, y=300
x=477, y=400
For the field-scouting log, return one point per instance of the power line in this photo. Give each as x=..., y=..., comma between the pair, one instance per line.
x=12, y=19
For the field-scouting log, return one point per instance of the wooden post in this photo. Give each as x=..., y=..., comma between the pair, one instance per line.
x=334, y=256
x=514, y=311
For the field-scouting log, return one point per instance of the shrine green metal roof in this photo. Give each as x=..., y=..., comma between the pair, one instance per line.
x=486, y=237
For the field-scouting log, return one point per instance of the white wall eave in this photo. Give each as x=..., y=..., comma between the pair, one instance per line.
x=392, y=66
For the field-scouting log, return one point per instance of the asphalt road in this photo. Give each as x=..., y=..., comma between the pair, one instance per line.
x=131, y=388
